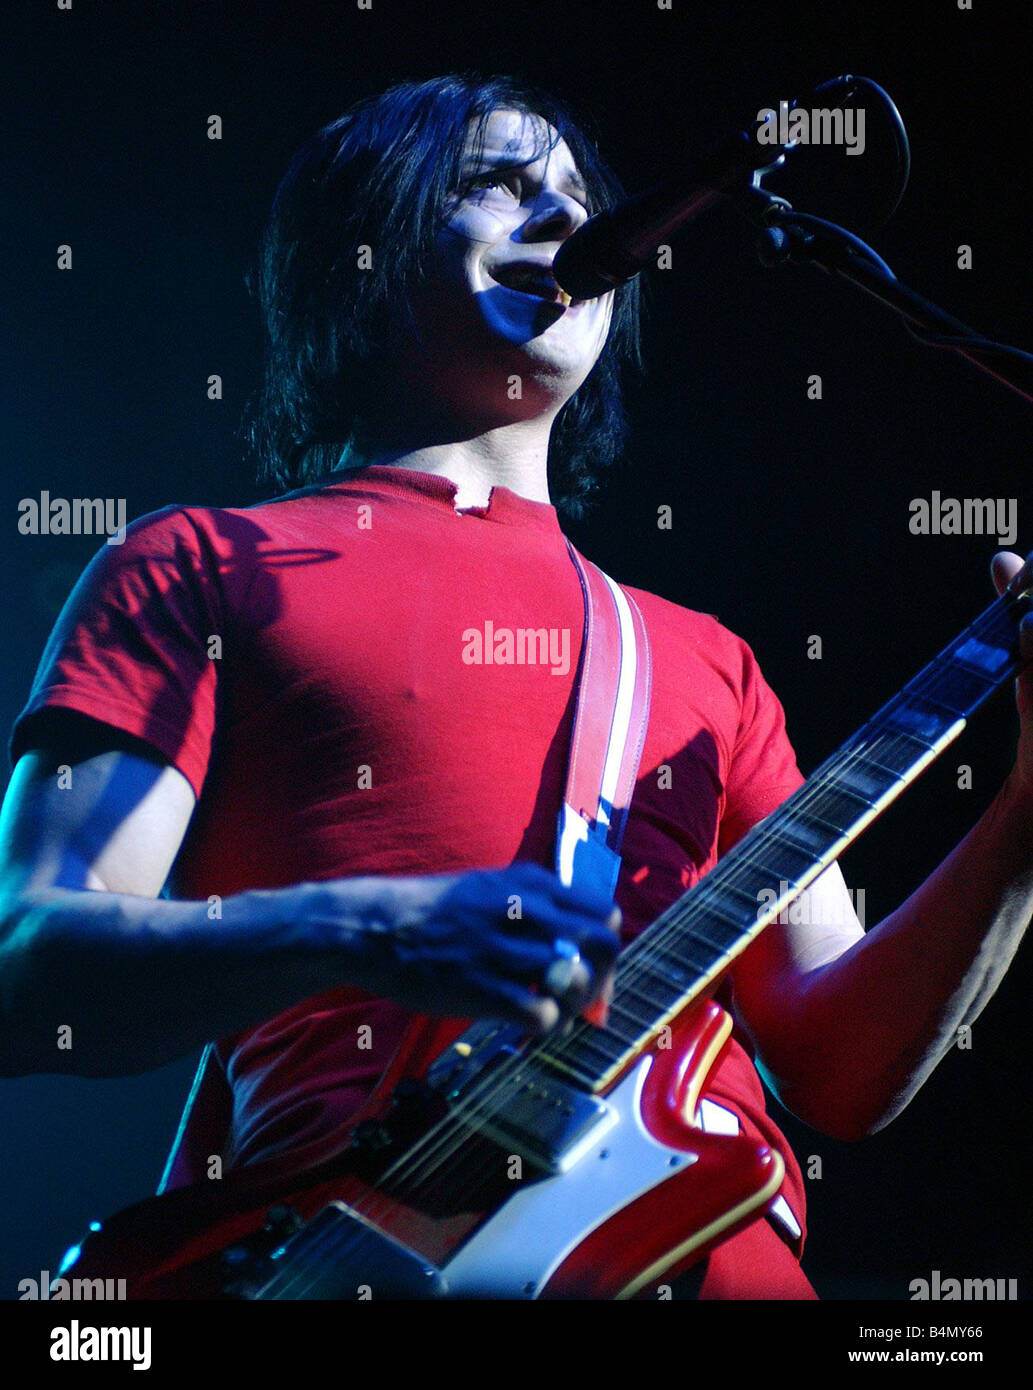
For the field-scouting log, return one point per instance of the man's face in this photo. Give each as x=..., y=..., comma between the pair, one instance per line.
x=489, y=307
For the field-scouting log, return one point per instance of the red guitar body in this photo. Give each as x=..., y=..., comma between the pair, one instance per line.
x=636, y=1200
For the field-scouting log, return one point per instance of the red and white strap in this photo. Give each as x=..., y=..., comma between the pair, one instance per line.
x=610, y=717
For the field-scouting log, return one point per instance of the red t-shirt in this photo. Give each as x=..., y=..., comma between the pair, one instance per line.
x=302, y=664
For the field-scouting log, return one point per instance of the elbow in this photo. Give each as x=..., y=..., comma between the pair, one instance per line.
x=24, y=1050
x=843, y=1111
x=835, y=1121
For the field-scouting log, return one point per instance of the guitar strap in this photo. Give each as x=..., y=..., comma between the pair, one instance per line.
x=610, y=717
x=611, y=712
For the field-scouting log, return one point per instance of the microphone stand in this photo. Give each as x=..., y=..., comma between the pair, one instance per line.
x=798, y=237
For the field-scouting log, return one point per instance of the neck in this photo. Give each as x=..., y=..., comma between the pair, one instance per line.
x=513, y=455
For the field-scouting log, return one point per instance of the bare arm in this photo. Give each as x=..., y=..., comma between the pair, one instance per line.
x=86, y=945
x=849, y=1025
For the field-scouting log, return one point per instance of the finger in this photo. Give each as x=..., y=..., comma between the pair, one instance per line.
x=1006, y=567
x=525, y=892
x=519, y=958
x=514, y=1004
x=568, y=979
x=582, y=896
x=598, y=1011
x=1026, y=639
x=596, y=938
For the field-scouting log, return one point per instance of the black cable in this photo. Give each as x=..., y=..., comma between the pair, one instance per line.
x=836, y=233
x=959, y=344
x=902, y=146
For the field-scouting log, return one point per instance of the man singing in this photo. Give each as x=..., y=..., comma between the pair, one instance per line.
x=276, y=710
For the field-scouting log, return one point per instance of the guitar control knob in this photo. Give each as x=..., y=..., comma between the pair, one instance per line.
x=408, y=1096
x=282, y=1220
x=371, y=1136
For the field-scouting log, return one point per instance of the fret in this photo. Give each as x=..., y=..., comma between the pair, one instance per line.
x=847, y=809
x=796, y=833
x=618, y=1006
x=949, y=712
x=861, y=772
x=989, y=660
x=701, y=928
x=681, y=971
x=624, y=1037
x=829, y=829
x=783, y=861
x=746, y=902
x=625, y=985
x=573, y=1059
x=968, y=687
x=596, y=1040
x=908, y=748
x=726, y=916
x=858, y=778
x=761, y=869
x=658, y=1008
x=669, y=971
x=681, y=929
x=729, y=905
x=913, y=723
x=708, y=925
x=665, y=988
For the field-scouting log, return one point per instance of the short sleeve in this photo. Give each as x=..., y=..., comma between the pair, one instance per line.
x=763, y=770
x=132, y=645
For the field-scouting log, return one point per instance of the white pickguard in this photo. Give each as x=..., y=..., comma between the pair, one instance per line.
x=516, y=1251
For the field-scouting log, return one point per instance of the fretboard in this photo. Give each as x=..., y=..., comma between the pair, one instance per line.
x=697, y=937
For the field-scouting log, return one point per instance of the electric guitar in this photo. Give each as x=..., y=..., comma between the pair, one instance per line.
x=574, y=1166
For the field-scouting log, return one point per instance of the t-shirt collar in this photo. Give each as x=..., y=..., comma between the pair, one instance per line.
x=505, y=506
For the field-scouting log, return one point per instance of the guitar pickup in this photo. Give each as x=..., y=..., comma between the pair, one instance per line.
x=548, y=1122
x=529, y=1112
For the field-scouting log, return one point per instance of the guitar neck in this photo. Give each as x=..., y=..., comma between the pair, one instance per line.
x=700, y=934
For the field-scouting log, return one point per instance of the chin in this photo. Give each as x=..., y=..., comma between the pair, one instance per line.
x=547, y=340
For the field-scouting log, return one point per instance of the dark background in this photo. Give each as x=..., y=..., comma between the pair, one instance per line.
x=790, y=516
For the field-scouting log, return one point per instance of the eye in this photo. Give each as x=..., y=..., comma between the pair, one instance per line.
x=498, y=179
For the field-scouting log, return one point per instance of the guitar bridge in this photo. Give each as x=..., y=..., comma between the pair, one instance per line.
x=366, y=1263
x=534, y=1114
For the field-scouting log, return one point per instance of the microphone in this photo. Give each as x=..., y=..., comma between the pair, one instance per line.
x=613, y=246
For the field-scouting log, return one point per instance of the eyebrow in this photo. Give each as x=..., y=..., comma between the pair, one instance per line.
x=486, y=161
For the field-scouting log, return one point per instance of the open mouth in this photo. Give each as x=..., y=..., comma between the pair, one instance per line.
x=532, y=278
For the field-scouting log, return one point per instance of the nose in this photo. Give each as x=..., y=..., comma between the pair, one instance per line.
x=554, y=217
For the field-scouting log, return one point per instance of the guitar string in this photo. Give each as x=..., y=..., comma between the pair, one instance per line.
x=472, y=1101
x=454, y=1119
x=460, y=1124
x=411, y=1168
x=347, y=1239
x=655, y=944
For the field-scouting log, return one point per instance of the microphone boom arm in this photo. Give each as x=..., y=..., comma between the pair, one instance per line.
x=788, y=235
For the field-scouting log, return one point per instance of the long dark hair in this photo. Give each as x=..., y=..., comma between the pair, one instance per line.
x=380, y=176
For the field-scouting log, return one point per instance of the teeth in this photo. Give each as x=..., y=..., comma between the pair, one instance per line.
x=529, y=280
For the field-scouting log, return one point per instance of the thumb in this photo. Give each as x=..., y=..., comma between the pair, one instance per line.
x=1004, y=567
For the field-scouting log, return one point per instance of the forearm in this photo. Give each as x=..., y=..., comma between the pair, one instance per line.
x=865, y=1031
x=140, y=982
